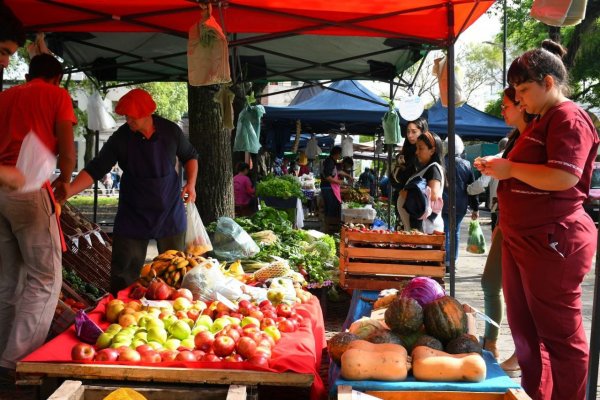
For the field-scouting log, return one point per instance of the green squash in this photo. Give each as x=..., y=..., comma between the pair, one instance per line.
x=404, y=316
x=445, y=319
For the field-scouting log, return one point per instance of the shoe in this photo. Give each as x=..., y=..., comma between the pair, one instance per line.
x=511, y=367
x=490, y=345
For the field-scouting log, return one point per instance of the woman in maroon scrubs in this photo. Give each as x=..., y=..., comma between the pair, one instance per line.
x=549, y=241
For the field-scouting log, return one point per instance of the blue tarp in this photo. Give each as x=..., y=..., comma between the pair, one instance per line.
x=470, y=123
x=329, y=109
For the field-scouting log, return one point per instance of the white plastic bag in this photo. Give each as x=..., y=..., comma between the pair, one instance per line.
x=197, y=241
x=559, y=12
x=203, y=279
x=440, y=70
x=35, y=162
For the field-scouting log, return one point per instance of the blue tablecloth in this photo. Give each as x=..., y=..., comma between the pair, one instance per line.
x=496, y=380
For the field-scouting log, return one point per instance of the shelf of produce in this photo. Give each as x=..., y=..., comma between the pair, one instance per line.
x=373, y=260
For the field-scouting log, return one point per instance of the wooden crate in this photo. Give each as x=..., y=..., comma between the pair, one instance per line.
x=376, y=261
x=346, y=393
x=76, y=390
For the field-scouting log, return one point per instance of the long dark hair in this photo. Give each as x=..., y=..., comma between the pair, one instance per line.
x=433, y=141
x=535, y=65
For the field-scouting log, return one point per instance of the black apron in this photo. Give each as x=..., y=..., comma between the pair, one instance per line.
x=150, y=204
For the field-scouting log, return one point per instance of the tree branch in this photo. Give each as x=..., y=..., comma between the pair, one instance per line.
x=591, y=15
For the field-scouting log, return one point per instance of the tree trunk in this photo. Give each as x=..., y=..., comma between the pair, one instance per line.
x=214, y=186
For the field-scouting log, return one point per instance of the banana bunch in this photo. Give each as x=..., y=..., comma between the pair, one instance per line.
x=234, y=270
x=171, y=266
x=264, y=237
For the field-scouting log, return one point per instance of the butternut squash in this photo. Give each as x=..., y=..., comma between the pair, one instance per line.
x=381, y=362
x=434, y=365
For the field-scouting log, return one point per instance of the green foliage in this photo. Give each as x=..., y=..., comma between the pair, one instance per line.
x=285, y=186
x=171, y=98
x=493, y=107
x=79, y=201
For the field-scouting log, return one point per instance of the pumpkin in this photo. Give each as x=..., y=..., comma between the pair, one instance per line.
x=384, y=336
x=429, y=341
x=338, y=344
x=445, y=319
x=464, y=344
x=404, y=315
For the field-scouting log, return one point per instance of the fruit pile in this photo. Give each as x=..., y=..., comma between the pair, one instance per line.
x=187, y=330
x=170, y=266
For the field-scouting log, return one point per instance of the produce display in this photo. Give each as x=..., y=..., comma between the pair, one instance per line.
x=284, y=187
x=420, y=320
x=81, y=287
x=354, y=195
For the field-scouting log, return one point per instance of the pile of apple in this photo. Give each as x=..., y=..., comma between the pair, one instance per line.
x=187, y=330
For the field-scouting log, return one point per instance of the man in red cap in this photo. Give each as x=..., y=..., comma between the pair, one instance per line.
x=146, y=148
x=30, y=245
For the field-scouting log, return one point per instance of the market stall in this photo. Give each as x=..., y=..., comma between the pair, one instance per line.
x=294, y=362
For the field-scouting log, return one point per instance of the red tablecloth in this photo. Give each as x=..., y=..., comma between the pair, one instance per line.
x=298, y=351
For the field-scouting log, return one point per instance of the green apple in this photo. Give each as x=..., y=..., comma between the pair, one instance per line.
x=143, y=321
x=198, y=329
x=219, y=324
x=154, y=312
x=117, y=344
x=114, y=328
x=157, y=334
x=204, y=320
x=199, y=305
x=143, y=335
x=234, y=320
x=137, y=342
x=181, y=304
x=104, y=340
x=156, y=345
x=188, y=342
x=172, y=344
x=250, y=320
x=273, y=331
x=188, y=321
x=180, y=330
x=169, y=320
x=155, y=323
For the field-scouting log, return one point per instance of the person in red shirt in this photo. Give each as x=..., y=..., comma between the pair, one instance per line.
x=243, y=192
x=549, y=240
x=30, y=245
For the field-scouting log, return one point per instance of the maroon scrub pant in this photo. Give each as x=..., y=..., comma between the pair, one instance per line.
x=542, y=277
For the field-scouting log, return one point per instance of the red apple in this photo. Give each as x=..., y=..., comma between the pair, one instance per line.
x=299, y=318
x=234, y=358
x=107, y=354
x=193, y=314
x=244, y=304
x=270, y=341
x=270, y=314
x=222, y=307
x=259, y=361
x=267, y=322
x=284, y=310
x=223, y=346
x=169, y=355
x=199, y=354
x=129, y=355
x=265, y=351
x=236, y=315
x=143, y=348
x=221, y=314
x=256, y=314
x=286, y=326
x=83, y=352
x=204, y=340
x=151, y=356
x=181, y=314
x=158, y=290
x=186, y=356
x=182, y=293
x=246, y=347
x=211, y=358
x=265, y=303
x=250, y=330
x=233, y=333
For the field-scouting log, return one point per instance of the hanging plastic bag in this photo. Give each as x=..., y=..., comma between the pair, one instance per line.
x=247, y=137
x=440, y=70
x=35, y=162
x=559, y=12
x=391, y=126
x=197, y=241
x=231, y=242
x=476, y=242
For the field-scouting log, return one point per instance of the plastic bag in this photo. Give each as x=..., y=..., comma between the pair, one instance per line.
x=197, y=241
x=476, y=242
x=86, y=329
x=231, y=242
x=203, y=279
x=35, y=162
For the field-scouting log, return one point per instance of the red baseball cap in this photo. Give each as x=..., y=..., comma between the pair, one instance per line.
x=137, y=103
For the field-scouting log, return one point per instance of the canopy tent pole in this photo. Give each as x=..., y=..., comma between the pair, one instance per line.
x=451, y=172
x=389, y=170
x=592, y=380
x=96, y=151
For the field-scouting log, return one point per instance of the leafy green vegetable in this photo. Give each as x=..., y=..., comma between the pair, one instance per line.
x=279, y=186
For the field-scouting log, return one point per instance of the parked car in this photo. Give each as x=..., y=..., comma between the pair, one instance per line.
x=592, y=204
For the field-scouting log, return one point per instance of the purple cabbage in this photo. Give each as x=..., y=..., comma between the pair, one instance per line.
x=424, y=290
x=86, y=329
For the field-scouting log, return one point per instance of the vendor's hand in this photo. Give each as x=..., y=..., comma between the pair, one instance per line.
x=480, y=163
x=474, y=215
x=499, y=168
x=190, y=190
x=61, y=191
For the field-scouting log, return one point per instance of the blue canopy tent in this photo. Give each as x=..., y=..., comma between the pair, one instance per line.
x=343, y=102
x=470, y=123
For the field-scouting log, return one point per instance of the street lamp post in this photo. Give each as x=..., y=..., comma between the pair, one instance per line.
x=504, y=44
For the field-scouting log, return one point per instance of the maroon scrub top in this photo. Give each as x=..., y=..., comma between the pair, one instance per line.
x=563, y=138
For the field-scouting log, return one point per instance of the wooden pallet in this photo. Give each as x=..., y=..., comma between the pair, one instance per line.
x=377, y=261
x=346, y=393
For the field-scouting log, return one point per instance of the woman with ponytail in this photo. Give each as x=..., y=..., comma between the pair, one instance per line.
x=549, y=240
